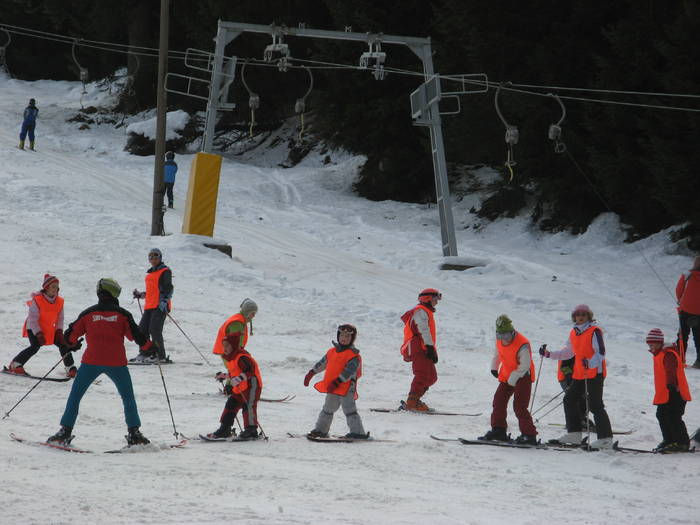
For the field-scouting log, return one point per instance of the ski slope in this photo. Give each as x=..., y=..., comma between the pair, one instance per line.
x=314, y=255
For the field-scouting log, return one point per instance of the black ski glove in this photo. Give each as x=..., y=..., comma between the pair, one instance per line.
x=431, y=353
x=494, y=373
x=77, y=345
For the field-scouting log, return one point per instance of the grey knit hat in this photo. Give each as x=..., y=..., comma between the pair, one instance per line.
x=248, y=307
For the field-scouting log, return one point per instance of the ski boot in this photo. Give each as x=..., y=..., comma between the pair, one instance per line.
x=495, y=434
x=354, y=435
x=21, y=144
x=670, y=448
x=569, y=438
x=249, y=433
x=62, y=437
x=135, y=437
x=16, y=368
x=222, y=432
x=526, y=439
x=31, y=145
x=317, y=434
x=415, y=404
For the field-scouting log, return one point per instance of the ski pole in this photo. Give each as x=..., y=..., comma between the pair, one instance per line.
x=30, y=390
x=138, y=300
x=167, y=397
x=588, y=408
x=537, y=381
x=190, y=340
x=256, y=418
x=548, y=402
x=550, y=410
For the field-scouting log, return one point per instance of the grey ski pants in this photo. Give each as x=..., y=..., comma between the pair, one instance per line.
x=331, y=405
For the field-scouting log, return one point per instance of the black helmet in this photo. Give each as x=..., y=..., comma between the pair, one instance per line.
x=32, y=101
x=170, y=155
x=349, y=328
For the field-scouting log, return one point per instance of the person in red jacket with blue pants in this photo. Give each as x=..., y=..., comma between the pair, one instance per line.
x=105, y=325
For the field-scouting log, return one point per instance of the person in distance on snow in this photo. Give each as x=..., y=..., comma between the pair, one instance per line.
x=105, y=325
x=512, y=365
x=585, y=344
x=243, y=380
x=688, y=297
x=44, y=326
x=419, y=337
x=169, y=172
x=343, y=369
x=671, y=393
x=157, y=304
x=28, y=124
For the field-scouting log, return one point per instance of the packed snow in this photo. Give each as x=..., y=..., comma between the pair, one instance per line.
x=314, y=255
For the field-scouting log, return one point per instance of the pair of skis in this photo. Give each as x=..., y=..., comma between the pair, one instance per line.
x=151, y=447
x=339, y=439
x=55, y=379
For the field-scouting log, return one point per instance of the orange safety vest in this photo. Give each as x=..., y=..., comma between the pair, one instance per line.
x=48, y=314
x=583, y=349
x=234, y=369
x=413, y=342
x=335, y=364
x=218, y=344
x=661, y=394
x=152, y=290
x=509, y=357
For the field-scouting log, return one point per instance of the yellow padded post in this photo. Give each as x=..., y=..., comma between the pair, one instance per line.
x=202, y=192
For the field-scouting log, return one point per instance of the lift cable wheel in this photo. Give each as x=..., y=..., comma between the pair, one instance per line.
x=512, y=136
x=375, y=57
x=554, y=132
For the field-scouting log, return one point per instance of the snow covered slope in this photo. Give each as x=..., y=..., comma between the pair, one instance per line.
x=314, y=255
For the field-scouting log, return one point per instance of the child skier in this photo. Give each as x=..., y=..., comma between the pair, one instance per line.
x=513, y=367
x=44, y=326
x=244, y=382
x=105, y=325
x=671, y=393
x=343, y=366
x=28, y=124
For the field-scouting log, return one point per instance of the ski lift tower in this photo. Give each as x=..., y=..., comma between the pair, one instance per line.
x=425, y=111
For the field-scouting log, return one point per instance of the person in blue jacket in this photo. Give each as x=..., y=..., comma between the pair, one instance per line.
x=169, y=172
x=28, y=124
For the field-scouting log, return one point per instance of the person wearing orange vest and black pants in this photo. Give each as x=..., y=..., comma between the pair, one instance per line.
x=512, y=365
x=419, y=347
x=243, y=379
x=688, y=297
x=157, y=304
x=671, y=393
x=343, y=369
x=44, y=326
x=585, y=344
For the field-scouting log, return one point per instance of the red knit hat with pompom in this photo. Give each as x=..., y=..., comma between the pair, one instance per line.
x=48, y=279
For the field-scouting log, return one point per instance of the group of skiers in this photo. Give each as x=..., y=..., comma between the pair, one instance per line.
x=581, y=372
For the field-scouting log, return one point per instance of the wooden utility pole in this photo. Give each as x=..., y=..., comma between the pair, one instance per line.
x=157, y=227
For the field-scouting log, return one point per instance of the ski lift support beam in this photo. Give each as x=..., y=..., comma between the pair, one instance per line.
x=421, y=47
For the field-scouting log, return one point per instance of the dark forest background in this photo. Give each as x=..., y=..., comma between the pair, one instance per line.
x=637, y=161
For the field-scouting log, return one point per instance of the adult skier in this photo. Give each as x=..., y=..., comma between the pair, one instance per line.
x=157, y=304
x=688, y=297
x=44, y=326
x=169, y=172
x=31, y=112
x=419, y=347
x=343, y=369
x=104, y=325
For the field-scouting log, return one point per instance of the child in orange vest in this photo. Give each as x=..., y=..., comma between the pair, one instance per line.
x=671, y=393
x=44, y=326
x=513, y=367
x=343, y=366
x=244, y=382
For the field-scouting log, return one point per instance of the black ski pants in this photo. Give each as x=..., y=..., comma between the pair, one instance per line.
x=690, y=322
x=151, y=325
x=595, y=404
x=26, y=354
x=670, y=416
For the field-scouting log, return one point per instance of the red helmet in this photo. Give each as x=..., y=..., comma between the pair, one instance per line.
x=426, y=295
